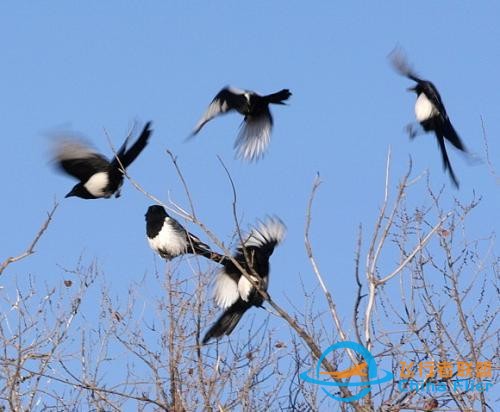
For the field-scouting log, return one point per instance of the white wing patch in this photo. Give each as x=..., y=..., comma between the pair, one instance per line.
x=253, y=138
x=215, y=108
x=97, y=184
x=225, y=290
x=168, y=240
x=272, y=230
x=245, y=287
x=424, y=109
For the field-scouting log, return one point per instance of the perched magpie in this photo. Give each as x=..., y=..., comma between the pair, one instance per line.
x=233, y=292
x=430, y=112
x=169, y=239
x=98, y=176
x=255, y=132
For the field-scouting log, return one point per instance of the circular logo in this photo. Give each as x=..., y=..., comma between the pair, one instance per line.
x=357, y=370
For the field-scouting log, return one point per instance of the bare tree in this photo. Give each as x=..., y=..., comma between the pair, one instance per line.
x=56, y=357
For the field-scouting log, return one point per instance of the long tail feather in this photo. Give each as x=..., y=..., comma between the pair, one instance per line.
x=278, y=97
x=446, y=159
x=227, y=321
x=210, y=254
x=134, y=151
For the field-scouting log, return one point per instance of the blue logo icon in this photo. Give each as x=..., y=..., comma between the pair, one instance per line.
x=357, y=370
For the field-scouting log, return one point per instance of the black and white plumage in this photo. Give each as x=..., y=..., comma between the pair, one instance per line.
x=430, y=112
x=233, y=292
x=170, y=239
x=99, y=177
x=255, y=132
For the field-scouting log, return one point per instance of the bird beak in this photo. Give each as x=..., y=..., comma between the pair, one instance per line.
x=411, y=89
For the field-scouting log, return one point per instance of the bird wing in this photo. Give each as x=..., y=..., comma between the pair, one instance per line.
x=195, y=245
x=435, y=98
x=226, y=288
x=267, y=235
x=227, y=99
x=400, y=63
x=78, y=159
x=128, y=156
x=451, y=135
x=254, y=136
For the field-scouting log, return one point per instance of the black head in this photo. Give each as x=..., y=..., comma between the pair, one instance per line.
x=155, y=212
x=416, y=89
x=80, y=191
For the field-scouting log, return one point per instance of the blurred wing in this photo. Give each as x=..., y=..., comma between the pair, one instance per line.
x=227, y=99
x=254, y=137
x=401, y=65
x=451, y=135
x=272, y=230
x=79, y=160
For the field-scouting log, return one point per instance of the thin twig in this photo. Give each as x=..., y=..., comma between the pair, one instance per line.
x=31, y=248
x=310, y=255
x=417, y=249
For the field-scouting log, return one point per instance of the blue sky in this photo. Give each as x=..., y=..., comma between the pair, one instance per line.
x=106, y=64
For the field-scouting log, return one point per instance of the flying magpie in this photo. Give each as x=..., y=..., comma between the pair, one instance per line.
x=430, y=111
x=98, y=176
x=255, y=131
x=169, y=239
x=233, y=292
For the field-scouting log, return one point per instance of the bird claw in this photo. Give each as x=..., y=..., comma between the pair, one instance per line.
x=411, y=131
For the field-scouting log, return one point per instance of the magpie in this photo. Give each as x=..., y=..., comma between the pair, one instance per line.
x=99, y=177
x=255, y=130
x=430, y=112
x=233, y=292
x=169, y=239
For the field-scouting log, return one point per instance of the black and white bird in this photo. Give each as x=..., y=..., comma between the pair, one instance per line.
x=430, y=112
x=99, y=177
x=255, y=131
x=167, y=237
x=233, y=292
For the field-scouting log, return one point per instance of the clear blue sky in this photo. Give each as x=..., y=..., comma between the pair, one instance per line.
x=96, y=65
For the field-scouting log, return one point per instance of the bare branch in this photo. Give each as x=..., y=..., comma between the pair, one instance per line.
x=31, y=248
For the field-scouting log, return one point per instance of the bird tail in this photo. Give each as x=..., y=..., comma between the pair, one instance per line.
x=278, y=97
x=446, y=159
x=127, y=157
x=206, y=252
x=227, y=321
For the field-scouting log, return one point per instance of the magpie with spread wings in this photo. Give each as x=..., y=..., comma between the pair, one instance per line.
x=233, y=292
x=98, y=177
x=255, y=132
